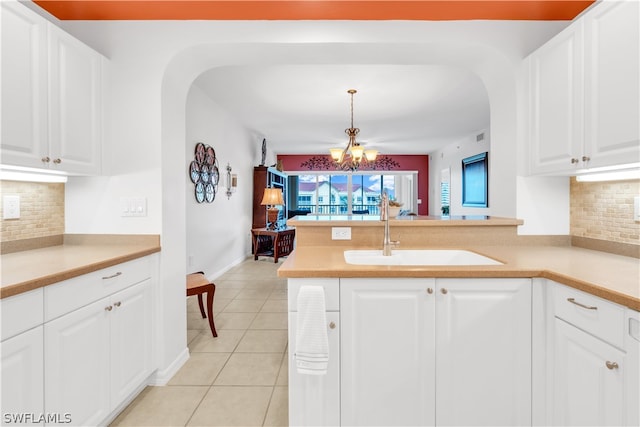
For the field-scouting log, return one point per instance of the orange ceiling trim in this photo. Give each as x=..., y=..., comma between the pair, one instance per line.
x=427, y=10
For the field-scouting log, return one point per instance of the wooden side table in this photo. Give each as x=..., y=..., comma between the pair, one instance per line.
x=275, y=243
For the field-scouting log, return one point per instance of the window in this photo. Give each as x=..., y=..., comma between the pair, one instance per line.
x=341, y=194
x=475, y=181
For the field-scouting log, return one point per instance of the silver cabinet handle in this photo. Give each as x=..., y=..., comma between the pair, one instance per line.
x=117, y=304
x=332, y=325
x=611, y=365
x=574, y=161
x=119, y=273
x=429, y=290
x=45, y=159
x=57, y=161
x=109, y=308
x=586, y=158
x=588, y=307
x=444, y=291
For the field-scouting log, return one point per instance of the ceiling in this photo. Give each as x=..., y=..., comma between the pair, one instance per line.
x=319, y=9
x=400, y=108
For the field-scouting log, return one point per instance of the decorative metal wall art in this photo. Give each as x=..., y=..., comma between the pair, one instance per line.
x=325, y=163
x=204, y=173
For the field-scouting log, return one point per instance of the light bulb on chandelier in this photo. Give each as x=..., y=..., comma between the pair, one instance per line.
x=354, y=154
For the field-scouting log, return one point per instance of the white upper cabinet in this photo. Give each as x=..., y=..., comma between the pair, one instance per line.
x=75, y=102
x=612, y=84
x=24, y=86
x=584, y=95
x=51, y=96
x=556, y=97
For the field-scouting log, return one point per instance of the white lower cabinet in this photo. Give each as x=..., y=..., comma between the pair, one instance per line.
x=97, y=355
x=388, y=352
x=483, y=352
x=435, y=351
x=21, y=372
x=315, y=399
x=588, y=388
x=77, y=364
x=595, y=367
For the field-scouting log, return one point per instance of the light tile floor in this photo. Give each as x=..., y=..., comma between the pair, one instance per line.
x=237, y=379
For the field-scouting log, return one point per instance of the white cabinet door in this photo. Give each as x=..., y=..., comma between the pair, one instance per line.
x=612, y=86
x=24, y=86
x=387, y=338
x=22, y=378
x=75, y=103
x=77, y=364
x=556, y=100
x=483, y=352
x=587, y=389
x=131, y=332
x=314, y=400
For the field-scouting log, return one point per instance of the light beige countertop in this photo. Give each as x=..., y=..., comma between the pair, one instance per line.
x=401, y=221
x=613, y=277
x=78, y=255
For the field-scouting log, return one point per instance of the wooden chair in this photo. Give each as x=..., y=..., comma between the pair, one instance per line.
x=197, y=284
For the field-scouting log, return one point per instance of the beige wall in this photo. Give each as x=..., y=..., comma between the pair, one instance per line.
x=41, y=210
x=604, y=210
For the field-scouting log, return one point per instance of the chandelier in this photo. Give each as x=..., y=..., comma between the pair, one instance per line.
x=353, y=155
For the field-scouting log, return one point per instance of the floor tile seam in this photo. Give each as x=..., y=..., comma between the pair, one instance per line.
x=204, y=395
x=273, y=389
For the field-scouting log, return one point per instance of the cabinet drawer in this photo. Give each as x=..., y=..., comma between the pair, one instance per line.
x=594, y=315
x=331, y=292
x=74, y=293
x=21, y=312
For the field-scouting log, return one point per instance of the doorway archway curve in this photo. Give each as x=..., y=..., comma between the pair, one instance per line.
x=495, y=70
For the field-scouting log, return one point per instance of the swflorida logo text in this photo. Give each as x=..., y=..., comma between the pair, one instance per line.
x=32, y=418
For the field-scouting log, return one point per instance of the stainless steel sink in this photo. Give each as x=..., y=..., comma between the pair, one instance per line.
x=418, y=257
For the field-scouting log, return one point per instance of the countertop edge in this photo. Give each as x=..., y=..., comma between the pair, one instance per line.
x=501, y=271
x=29, y=285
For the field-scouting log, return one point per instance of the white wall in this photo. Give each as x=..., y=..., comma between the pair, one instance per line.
x=218, y=234
x=451, y=157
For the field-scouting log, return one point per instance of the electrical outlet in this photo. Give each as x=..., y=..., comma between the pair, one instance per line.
x=340, y=233
x=11, y=207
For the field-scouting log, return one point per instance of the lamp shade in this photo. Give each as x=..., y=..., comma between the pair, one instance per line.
x=272, y=196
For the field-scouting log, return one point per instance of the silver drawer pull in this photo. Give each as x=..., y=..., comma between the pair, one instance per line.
x=119, y=273
x=588, y=307
x=117, y=304
x=611, y=365
x=108, y=308
x=332, y=325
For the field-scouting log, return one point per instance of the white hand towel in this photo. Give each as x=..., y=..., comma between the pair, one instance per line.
x=312, y=341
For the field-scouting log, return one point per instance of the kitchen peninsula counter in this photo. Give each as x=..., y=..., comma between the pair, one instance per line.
x=77, y=255
x=609, y=276
x=612, y=277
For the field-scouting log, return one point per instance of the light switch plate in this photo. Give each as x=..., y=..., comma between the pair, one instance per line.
x=11, y=206
x=133, y=206
x=340, y=233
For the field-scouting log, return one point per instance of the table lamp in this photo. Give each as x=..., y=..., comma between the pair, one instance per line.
x=272, y=197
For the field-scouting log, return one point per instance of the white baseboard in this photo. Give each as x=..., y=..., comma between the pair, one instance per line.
x=163, y=377
x=216, y=274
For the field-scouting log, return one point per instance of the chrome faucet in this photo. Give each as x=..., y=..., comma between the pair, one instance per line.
x=387, y=244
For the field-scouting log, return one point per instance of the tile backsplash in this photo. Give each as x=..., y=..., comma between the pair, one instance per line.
x=41, y=210
x=604, y=210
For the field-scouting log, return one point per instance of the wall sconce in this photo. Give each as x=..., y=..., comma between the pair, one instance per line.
x=232, y=182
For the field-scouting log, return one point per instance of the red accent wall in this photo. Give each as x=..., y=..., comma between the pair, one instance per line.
x=407, y=162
